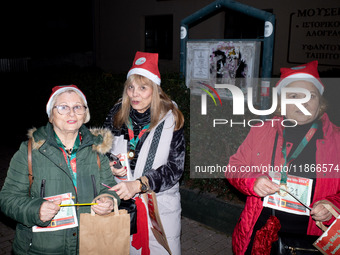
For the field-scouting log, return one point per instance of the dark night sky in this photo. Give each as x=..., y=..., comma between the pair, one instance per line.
x=45, y=28
x=40, y=30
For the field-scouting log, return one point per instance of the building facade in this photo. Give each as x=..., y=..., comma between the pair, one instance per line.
x=304, y=31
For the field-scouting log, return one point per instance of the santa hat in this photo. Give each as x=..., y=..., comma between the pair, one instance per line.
x=146, y=64
x=307, y=72
x=57, y=90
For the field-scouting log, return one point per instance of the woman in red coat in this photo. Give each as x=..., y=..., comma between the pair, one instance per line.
x=309, y=150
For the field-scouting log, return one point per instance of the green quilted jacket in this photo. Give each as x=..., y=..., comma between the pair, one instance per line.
x=50, y=168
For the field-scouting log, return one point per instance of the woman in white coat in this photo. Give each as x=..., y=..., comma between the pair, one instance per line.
x=148, y=130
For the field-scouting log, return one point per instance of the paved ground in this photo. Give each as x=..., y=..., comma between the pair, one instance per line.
x=199, y=239
x=196, y=238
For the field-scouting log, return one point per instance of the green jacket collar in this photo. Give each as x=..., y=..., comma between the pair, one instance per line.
x=100, y=139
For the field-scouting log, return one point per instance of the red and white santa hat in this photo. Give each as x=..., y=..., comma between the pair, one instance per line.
x=307, y=72
x=57, y=90
x=146, y=64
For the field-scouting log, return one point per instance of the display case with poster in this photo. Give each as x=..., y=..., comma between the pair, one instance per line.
x=223, y=62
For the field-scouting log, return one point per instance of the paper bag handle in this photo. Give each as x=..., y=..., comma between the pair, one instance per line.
x=115, y=203
x=332, y=211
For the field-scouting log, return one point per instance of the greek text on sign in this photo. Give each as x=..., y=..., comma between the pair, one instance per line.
x=315, y=34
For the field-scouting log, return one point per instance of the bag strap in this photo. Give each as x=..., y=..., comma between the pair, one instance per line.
x=153, y=147
x=98, y=161
x=274, y=149
x=273, y=160
x=29, y=160
x=331, y=208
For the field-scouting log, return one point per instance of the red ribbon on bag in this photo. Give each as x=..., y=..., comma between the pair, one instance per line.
x=141, y=238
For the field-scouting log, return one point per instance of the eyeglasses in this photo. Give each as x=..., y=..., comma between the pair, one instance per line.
x=65, y=109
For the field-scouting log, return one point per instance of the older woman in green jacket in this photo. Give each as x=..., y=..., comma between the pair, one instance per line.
x=65, y=157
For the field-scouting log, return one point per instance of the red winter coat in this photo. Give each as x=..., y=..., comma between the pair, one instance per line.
x=257, y=149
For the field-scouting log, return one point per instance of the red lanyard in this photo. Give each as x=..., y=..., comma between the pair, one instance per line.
x=134, y=140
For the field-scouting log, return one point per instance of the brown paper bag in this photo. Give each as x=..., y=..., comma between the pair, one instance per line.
x=109, y=234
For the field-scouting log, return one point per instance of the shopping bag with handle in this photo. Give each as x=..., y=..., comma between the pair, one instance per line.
x=329, y=241
x=108, y=234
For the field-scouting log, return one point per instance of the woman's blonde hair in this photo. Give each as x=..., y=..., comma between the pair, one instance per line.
x=160, y=104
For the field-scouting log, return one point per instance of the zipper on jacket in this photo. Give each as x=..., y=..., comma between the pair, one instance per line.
x=95, y=193
x=42, y=188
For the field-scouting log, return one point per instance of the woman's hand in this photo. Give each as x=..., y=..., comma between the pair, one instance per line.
x=319, y=212
x=104, y=206
x=118, y=171
x=127, y=189
x=49, y=209
x=264, y=187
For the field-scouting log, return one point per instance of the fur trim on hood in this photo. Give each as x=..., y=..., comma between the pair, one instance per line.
x=106, y=144
x=35, y=144
x=104, y=136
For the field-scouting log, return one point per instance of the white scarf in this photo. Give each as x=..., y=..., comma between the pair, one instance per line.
x=120, y=147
